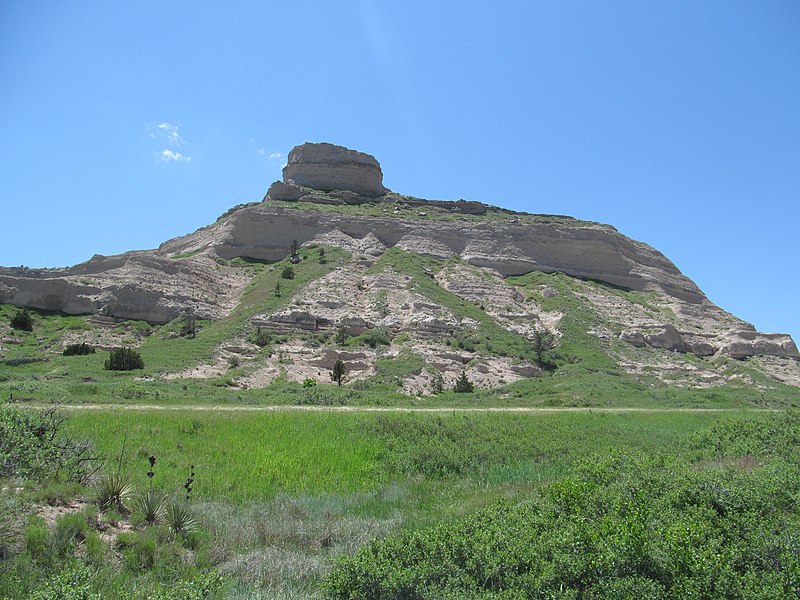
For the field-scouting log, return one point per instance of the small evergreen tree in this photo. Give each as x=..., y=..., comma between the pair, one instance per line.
x=22, y=320
x=322, y=260
x=341, y=336
x=189, y=328
x=293, y=248
x=124, y=359
x=278, y=287
x=543, y=342
x=463, y=385
x=288, y=273
x=437, y=384
x=338, y=371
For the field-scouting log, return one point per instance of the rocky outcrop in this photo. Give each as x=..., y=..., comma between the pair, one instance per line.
x=135, y=285
x=510, y=246
x=738, y=344
x=328, y=167
x=750, y=343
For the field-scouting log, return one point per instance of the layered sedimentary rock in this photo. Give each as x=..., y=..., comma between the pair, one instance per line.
x=158, y=285
x=511, y=246
x=135, y=285
x=328, y=167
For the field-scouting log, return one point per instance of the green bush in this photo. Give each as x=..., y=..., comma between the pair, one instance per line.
x=287, y=273
x=36, y=537
x=33, y=445
x=124, y=359
x=22, y=320
x=73, y=583
x=81, y=349
x=624, y=525
x=374, y=338
x=260, y=338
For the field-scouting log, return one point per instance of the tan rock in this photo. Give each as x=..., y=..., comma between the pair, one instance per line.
x=329, y=167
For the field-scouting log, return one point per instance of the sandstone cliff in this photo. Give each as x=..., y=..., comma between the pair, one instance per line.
x=334, y=196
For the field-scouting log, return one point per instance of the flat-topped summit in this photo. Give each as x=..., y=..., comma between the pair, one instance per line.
x=328, y=167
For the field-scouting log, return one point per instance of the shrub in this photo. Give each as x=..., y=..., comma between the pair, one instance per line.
x=542, y=343
x=33, y=445
x=22, y=320
x=437, y=383
x=73, y=583
x=309, y=382
x=463, y=385
x=287, y=273
x=260, y=338
x=124, y=359
x=36, y=537
x=81, y=349
x=375, y=338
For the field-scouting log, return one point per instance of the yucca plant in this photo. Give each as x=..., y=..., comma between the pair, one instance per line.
x=114, y=491
x=150, y=506
x=179, y=518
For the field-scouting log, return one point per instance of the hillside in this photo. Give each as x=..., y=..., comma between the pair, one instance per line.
x=409, y=293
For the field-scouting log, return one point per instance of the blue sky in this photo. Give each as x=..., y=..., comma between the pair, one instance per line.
x=127, y=123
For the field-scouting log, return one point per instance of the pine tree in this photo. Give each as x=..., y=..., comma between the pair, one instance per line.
x=463, y=385
x=338, y=371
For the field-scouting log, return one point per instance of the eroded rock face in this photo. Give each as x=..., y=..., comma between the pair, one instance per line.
x=328, y=167
x=134, y=285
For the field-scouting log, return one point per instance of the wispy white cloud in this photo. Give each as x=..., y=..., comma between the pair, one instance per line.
x=276, y=156
x=171, y=133
x=168, y=155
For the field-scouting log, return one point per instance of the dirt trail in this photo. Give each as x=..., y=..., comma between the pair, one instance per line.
x=395, y=409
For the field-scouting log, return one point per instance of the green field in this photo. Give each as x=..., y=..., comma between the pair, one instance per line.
x=280, y=494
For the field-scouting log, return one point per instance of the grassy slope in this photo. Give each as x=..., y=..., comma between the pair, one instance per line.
x=587, y=375
x=83, y=379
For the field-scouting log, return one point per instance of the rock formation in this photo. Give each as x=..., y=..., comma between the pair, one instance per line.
x=191, y=271
x=327, y=167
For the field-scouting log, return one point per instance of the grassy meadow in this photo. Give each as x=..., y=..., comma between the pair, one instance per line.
x=281, y=495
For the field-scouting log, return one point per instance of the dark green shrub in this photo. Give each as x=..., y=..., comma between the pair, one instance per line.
x=33, y=445
x=463, y=385
x=287, y=273
x=260, y=338
x=374, y=338
x=81, y=349
x=124, y=359
x=625, y=525
x=22, y=320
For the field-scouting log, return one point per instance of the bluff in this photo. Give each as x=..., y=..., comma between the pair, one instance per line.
x=335, y=196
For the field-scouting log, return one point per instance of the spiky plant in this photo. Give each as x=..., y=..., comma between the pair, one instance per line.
x=150, y=506
x=114, y=491
x=179, y=518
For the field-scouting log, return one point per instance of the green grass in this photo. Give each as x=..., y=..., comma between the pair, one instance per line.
x=282, y=494
x=431, y=213
x=258, y=298
x=248, y=455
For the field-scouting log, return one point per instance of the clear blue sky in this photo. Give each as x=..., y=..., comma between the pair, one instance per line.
x=124, y=124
